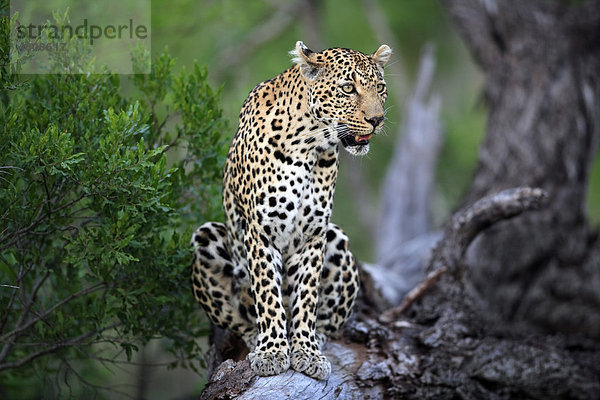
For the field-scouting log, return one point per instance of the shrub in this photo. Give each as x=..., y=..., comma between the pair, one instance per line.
x=99, y=194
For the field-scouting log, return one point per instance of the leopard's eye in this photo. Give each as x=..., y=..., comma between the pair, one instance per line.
x=380, y=88
x=348, y=88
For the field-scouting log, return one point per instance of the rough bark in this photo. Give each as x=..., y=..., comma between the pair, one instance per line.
x=542, y=65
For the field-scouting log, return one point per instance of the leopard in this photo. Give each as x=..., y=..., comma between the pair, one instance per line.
x=278, y=273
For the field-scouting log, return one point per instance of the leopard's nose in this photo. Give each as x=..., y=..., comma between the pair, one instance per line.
x=375, y=121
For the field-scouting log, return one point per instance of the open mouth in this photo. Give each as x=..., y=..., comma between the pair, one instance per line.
x=356, y=140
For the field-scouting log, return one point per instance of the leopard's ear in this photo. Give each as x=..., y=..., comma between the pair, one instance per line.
x=307, y=60
x=382, y=55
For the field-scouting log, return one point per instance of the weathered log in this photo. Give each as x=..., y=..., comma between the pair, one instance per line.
x=236, y=380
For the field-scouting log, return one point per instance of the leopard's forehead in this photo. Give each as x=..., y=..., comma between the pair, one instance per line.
x=350, y=65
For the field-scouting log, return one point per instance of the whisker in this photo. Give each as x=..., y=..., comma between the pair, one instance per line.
x=340, y=131
x=314, y=133
x=393, y=62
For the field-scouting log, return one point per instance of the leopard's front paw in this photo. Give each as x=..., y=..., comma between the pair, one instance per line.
x=266, y=363
x=312, y=363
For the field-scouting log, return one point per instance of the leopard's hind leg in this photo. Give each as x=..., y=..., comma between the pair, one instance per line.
x=221, y=287
x=339, y=284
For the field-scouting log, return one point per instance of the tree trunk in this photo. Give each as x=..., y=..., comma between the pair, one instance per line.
x=542, y=62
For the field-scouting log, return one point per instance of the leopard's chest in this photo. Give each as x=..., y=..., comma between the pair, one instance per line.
x=311, y=216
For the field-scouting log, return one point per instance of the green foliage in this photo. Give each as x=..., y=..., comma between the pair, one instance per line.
x=8, y=79
x=99, y=195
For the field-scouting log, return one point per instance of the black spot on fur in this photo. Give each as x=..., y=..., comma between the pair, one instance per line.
x=327, y=163
x=281, y=157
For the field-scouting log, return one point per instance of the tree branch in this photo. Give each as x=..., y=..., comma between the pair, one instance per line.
x=8, y=345
x=50, y=310
x=53, y=348
x=16, y=236
x=465, y=225
x=110, y=389
x=394, y=313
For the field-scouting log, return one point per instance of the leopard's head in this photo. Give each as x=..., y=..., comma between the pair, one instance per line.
x=346, y=91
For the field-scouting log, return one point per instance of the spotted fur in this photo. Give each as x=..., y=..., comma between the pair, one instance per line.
x=278, y=272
